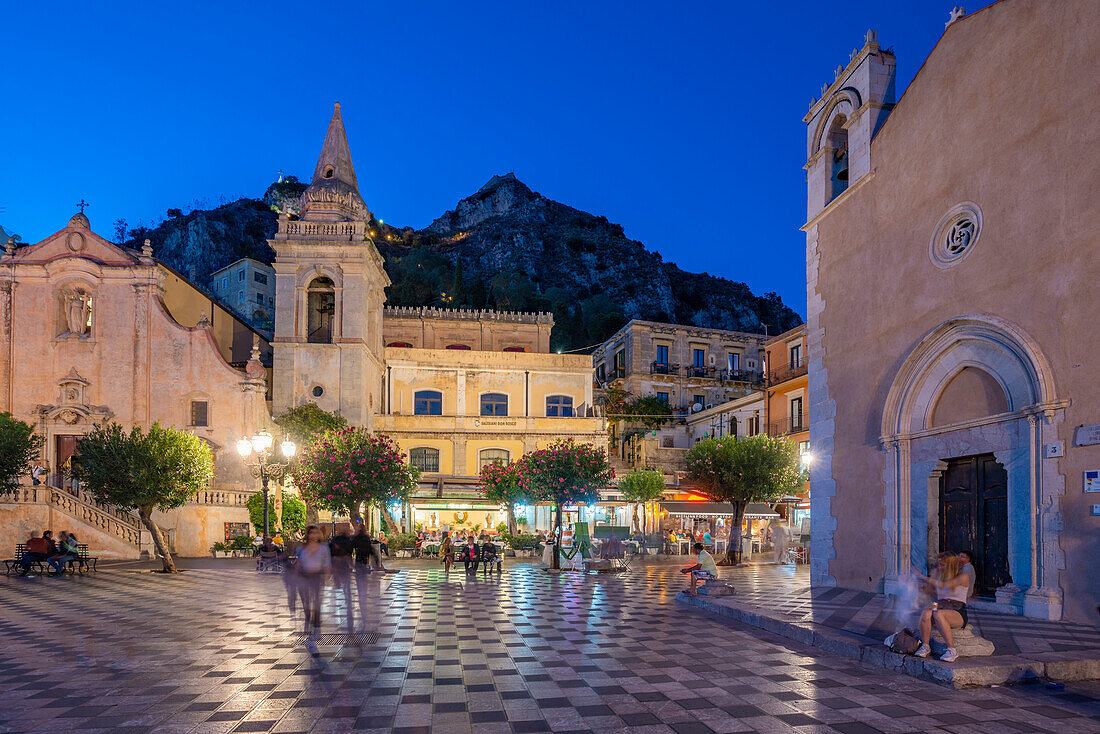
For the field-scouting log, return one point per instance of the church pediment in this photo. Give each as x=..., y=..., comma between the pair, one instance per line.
x=75, y=240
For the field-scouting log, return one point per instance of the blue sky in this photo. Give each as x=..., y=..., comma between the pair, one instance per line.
x=680, y=121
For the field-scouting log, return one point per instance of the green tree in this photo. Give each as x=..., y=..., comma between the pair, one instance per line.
x=564, y=473
x=739, y=471
x=306, y=422
x=302, y=424
x=500, y=482
x=346, y=468
x=20, y=446
x=161, y=469
x=640, y=486
x=293, y=516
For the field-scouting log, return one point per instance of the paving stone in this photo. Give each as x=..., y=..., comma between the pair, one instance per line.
x=524, y=652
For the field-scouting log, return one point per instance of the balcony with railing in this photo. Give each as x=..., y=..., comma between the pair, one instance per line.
x=787, y=371
x=752, y=377
x=663, y=368
x=786, y=426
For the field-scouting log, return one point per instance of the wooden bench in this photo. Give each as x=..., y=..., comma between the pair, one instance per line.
x=82, y=563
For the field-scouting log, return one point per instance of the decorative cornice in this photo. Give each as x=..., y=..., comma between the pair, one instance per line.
x=463, y=314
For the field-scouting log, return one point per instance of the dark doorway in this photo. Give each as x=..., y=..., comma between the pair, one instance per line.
x=65, y=451
x=974, y=517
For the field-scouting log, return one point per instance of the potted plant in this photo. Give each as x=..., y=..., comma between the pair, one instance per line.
x=218, y=550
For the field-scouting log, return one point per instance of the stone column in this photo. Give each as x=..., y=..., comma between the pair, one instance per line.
x=7, y=294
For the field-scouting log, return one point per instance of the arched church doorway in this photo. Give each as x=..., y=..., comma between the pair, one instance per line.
x=973, y=517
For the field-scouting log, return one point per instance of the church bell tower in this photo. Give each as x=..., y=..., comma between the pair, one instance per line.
x=329, y=291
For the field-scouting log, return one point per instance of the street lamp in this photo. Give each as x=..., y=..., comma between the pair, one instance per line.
x=266, y=465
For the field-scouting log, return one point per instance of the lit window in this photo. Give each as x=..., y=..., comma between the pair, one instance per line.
x=425, y=459
x=457, y=346
x=428, y=402
x=494, y=403
x=404, y=345
x=559, y=406
x=492, y=456
x=200, y=413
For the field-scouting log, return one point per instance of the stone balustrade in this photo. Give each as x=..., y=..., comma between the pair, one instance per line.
x=222, y=497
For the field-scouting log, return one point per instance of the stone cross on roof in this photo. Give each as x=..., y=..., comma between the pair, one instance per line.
x=82, y=204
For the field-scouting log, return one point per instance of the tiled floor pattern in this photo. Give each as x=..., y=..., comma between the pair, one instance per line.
x=787, y=589
x=215, y=650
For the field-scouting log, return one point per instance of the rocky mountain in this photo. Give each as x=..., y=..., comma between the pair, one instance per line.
x=504, y=247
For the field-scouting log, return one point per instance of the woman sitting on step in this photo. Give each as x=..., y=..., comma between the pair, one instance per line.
x=948, y=608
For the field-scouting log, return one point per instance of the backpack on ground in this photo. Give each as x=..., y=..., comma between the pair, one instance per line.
x=903, y=642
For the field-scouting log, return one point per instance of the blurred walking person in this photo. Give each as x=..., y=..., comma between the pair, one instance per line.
x=314, y=565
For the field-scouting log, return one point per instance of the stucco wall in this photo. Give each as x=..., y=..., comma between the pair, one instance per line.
x=1024, y=147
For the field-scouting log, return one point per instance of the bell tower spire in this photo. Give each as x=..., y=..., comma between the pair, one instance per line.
x=330, y=285
x=333, y=194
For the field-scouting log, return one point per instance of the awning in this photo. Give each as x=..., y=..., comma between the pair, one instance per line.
x=755, y=510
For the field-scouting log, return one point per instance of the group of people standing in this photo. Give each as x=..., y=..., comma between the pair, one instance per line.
x=57, y=553
x=342, y=558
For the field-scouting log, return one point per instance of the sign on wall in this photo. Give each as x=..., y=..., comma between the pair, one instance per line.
x=236, y=530
x=1092, y=480
x=1088, y=435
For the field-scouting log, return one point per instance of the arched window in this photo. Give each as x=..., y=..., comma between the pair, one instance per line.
x=838, y=141
x=492, y=456
x=428, y=402
x=321, y=302
x=458, y=346
x=559, y=406
x=424, y=459
x=494, y=403
x=404, y=345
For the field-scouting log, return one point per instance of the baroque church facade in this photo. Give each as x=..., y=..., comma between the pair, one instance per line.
x=91, y=332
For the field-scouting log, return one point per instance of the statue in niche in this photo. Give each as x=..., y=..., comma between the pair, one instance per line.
x=78, y=312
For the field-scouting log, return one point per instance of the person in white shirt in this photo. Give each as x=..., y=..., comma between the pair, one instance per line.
x=704, y=569
x=314, y=566
x=948, y=609
x=968, y=569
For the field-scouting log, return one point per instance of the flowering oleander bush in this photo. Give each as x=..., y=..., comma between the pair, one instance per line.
x=502, y=482
x=564, y=473
x=344, y=468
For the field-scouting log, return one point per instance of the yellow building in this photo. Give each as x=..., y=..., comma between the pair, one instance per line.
x=466, y=388
x=787, y=407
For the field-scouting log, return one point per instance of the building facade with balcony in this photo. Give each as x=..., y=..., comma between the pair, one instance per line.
x=247, y=287
x=682, y=365
x=786, y=404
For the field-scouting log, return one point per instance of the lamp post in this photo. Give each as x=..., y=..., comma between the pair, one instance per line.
x=266, y=466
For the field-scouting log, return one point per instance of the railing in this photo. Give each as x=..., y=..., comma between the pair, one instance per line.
x=222, y=497
x=80, y=505
x=337, y=229
x=663, y=368
x=786, y=426
x=698, y=371
x=784, y=372
x=616, y=373
x=750, y=376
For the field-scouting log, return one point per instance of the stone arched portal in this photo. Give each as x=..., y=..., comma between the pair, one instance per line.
x=919, y=437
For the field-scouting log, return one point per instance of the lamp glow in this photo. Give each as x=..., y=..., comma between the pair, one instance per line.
x=261, y=441
x=288, y=448
x=244, y=448
x=807, y=459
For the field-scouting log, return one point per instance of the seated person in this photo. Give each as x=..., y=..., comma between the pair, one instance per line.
x=489, y=556
x=950, y=587
x=68, y=549
x=704, y=568
x=38, y=549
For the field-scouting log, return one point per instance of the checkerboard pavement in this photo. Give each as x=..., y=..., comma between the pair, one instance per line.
x=215, y=649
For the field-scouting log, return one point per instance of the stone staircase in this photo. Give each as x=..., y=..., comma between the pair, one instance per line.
x=109, y=532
